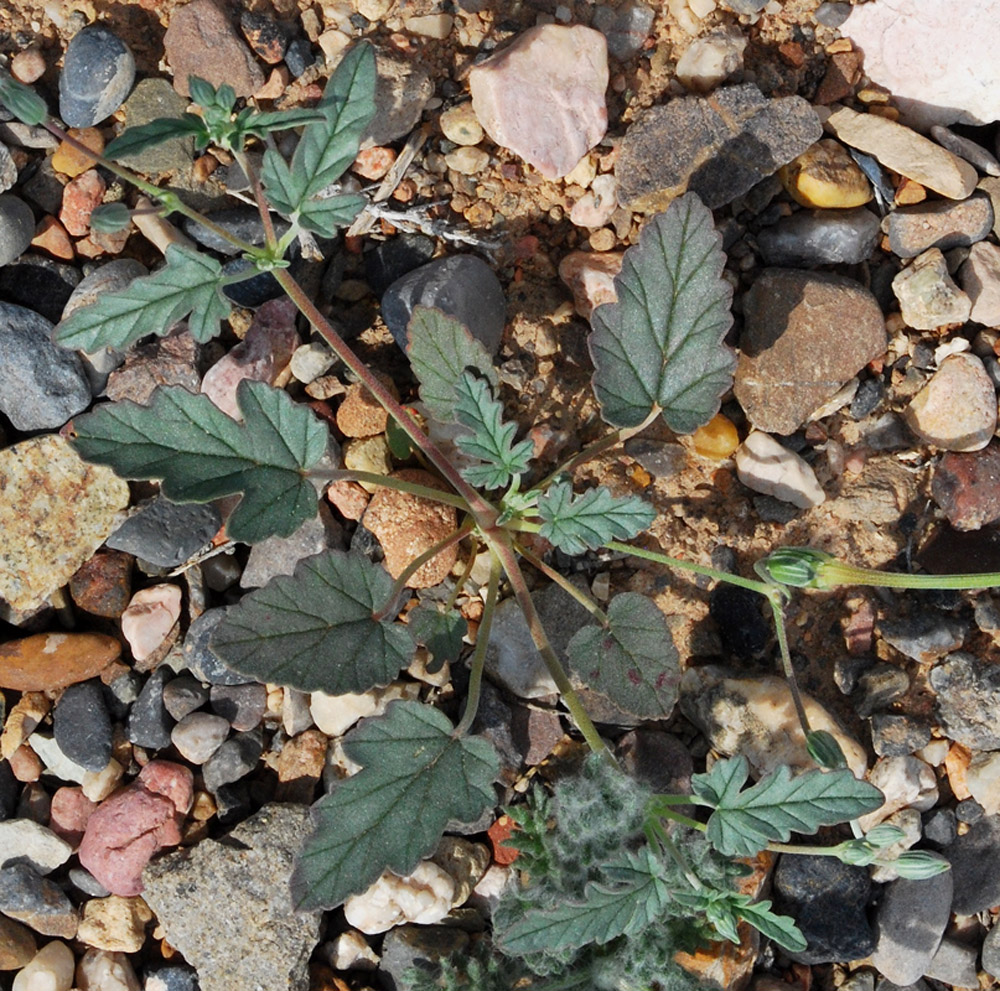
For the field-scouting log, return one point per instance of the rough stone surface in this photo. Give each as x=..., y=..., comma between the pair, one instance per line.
x=543, y=95
x=966, y=486
x=423, y=896
x=968, y=697
x=165, y=533
x=201, y=41
x=903, y=150
x=24, y=841
x=279, y=555
x=928, y=298
x=924, y=636
x=149, y=724
x=49, y=661
x=166, y=361
x=41, y=385
x=910, y=923
x=27, y=897
x=102, y=586
x=252, y=937
x=150, y=100
x=590, y=277
x=991, y=952
x=764, y=465
x=115, y=924
x=975, y=867
x=979, y=278
x=402, y=90
x=97, y=74
x=17, y=945
x=957, y=409
x=944, y=224
x=198, y=657
x=718, y=147
x=788, y=363
x=820, y=237
x=712, y=59
x=17, y=227
x=199, y=735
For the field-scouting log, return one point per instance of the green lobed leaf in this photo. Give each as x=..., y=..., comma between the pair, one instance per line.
x=779, y=928
x=415, y=778
x=491, y=440
x=661, y=343
x=591, y=519
x=326, y=215
x=199, y=453
x=633, y=660
x=108, y=218
x=441, y=348
x=136, y=139
x=187, y=286
x=440, y=632
x=314, y=631
x=22, y=101
x=607, y=912
x=209, y=98
x=744, y=822
x=280, y=120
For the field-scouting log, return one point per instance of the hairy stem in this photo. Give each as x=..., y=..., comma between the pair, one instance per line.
x=846, y=574
x=479, y=655
x=384, y=481
x=258, y=194
x=567, y=586
x=774, y=597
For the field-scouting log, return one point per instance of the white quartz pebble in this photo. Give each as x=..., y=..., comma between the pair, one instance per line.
x=51, y=969
x=764, y=465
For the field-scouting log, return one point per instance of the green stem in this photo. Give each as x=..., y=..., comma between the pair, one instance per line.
x=846, y=574
x=479, y=655
x=774, y=597
x=665, y=841
x=567, y=586
x=682, y=819
x=384, y=481
x=466, y=571
x=258, y=194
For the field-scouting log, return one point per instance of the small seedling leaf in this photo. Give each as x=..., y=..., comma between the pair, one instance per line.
x=22, y=101
x=491, y=440
x=187, y=286
x=209, y=98
x=314, y=630
x=745, y=821
x=441, y=348
x=108, y=218
x=326, y=215
x=137, y=139
x=778, y=928
x=591, y=519
x=633, y=660
x=440, y=632
x=661, y=343
x=606, y=913
x=415, y=778
x=199, y=453
x=280, y=120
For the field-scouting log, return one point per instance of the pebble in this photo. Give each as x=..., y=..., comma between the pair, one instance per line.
x=982, y=777
x=265, y=350
x=712, y=59
x=198, y=657
x=598, y=203
x=149, y=724
x=252, y=937
x=149, y=618
x=69, y=161
x=827, y=900
x=51, y=969
x=17, y=945
x=764, y=465
x=928, y=298
x=625, y=28
x=966, y=487
x=242, y=706
x=279, y=555
x=542, y=96
x=954, y=964
x=8, y=170
x=167, y=361
x=943, y=224
x=979, y=277
x=904, y=151
x=69, y=813
x=300, y=766
x=24, y=841
x=896, y=735
x=991, y=952
x=744, y=133
x=825, y=177
x=234, y=759
x=906, y=782
x=336, y=714
x=407, y=525
x=17, y=227
x=910, y=923
x=28, y=67
x=50, y=661
x=27, y=897
x=430, y=25
x=55, y=761
x=295, y=715
x=402, y=91
x=424, y=896
x=460, y=124
x=183, y=695
x=114, y=923
x=968, y=692
x=971, y=151
x=152, y=99
x=821, y=237
x=199, y=735
x=975, y=867
x=935, y=58
x=172, y=977
x=925, y=636
x=109, y=277
x=97, y=74
x=265, y=35
x=590, y=277
x=240, y=221
x=80, y=197
x=129, y=827
x=82, y=725
x=462, y=286
x=39, y=284
x=755, y=717
x=467, y=161
x=51, y=238
x=201, y=41
x=392, y=259
x=957, y=409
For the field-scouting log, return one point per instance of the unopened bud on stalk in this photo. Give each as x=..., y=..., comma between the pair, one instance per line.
x=800, y=567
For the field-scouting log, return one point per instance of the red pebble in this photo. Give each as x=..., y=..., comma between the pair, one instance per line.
x=497, y=833
x=80, y=197
x=70, y=812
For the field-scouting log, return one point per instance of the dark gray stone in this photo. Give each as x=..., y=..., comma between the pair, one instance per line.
x=870, y=393
x=17, y=227
x=198, y=656
x=943, y=224
x=954, y=964
x=299, y=56
x=897, y=734
x=402, y=90
x=745, y=7
x=242, y=705
x=738, y=615
x=820, y=237
x=98, y=72
x=235, y=759
x=171, y=977
x=41, y=385
x=87, y=883
x=975, y=867
x=624, y=29
x=36, y=901
x=166, y=534
x=924, y=636
x=40, y=284
x=391, y=260
x=718, y=147
x=969, y=811
x=659, y=760
x=968, y=699
x=279, y=555
x=462, y=286
x=183, y=695
x=940, y=827
x=827, y=900
x=151, y=99
x=420, y=947
x=82, y=725
x=9, y=787
x=660, y=458
x=149, y=724
x=991, y=952
x=8, y=169
x=878, y=687
x=240, y=221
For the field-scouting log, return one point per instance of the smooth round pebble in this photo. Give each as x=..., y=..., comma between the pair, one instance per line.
x=82, y=725
x=28, y=66
x=461, y=125
x=467, y=160
x=51, y=969
x=17, y=227
x=183, y=695
x=198, y=735
x=98, y=72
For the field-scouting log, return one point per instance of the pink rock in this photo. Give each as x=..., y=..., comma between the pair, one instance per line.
x=261, y=355
x=70, y=811
x=590, y=276
x=150, y=617
x=937, y=57
x=79, y=199
x=543, y=96
x=595, y=207
x=134, y=823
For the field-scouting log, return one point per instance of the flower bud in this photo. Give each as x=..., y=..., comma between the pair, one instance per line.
x=800, y=567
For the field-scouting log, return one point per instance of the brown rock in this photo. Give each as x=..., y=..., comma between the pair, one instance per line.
x=69, y=161
x=80, y=197
x=167, y=361
x=841, y=76
x=806, y=334
x=407, y=525
x=360, y=414
x=22, y=720
x=47, y=661
x=25, y=764
x=17, y=944
x=201, y=41
x=300, y=766
x=51, y=237
x=957, y=409
x=103, y=585
x=349, y=499
x=967, y=487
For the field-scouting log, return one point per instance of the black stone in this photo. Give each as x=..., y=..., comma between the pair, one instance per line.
x=242, y=705
x=166, y=534
x=82, y=725
x=266, y=36
x=40, y=284
x=879, y=687
x=198, y=656
x=392, y=259
x=740, y=621
x=252, y=292
x=940, y=827
x=149, y=724
x=182, y=695
x=969, y=811
x=241, y=221
x=8, y=791
x=233, y=802
x=97, y=75
x=975, y=866
x=866, y=400
x=896, y=734
x=299, y=56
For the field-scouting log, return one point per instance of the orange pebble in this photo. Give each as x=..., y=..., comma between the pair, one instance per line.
x=717, y=439
x=51, y=237
x=72, y=162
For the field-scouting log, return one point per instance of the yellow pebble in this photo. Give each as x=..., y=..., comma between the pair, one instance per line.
x=69, y=161
x=717, y=439
x=825, y=176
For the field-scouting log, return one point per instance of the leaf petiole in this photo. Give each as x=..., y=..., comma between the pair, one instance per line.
x=479, y=655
